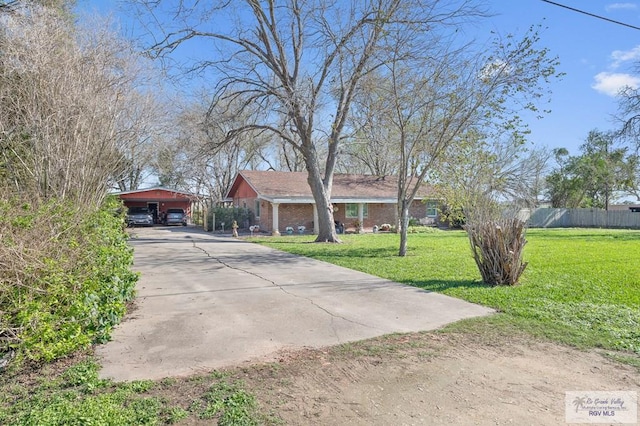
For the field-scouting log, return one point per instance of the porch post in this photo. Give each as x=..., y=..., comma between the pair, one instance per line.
x=275, y=230
x=395, y=217
x=316, y=227
x=361, y=215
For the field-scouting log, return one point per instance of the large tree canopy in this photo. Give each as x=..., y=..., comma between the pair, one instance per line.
x=422, y=105
x=601, y=172
x=296, y=65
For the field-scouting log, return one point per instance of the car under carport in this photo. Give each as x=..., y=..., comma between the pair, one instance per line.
x=158, y=200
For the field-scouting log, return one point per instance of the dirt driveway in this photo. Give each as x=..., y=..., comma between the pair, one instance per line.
x=472, y=378
x=208, y=302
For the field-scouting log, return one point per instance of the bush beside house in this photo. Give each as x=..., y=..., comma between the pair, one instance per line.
x=243, y=217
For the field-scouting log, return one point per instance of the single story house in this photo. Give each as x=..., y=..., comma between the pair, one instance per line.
x=283, y=199
x=158, y=200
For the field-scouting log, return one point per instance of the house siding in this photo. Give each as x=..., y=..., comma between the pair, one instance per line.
x=246, y=197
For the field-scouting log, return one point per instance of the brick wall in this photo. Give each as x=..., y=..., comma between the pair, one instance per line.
x=302, y=214
x=264, y=221
x=378, y=214
x=295, y=215
x=418, y=209
x=288, y=215
x=381, y=213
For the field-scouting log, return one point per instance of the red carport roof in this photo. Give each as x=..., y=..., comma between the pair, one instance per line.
x=156, y=193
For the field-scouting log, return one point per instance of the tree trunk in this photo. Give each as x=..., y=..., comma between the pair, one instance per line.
x=326, y=225
x=404, y=225
x=322, y=196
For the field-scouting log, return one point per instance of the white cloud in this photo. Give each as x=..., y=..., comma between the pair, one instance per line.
x=620, y=56
x=611, y=83
x=618, y=6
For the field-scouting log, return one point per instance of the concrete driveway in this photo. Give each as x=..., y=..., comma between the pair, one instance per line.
x=206, y=302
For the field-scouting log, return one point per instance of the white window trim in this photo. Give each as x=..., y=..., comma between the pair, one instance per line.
x=427, y=208
x=365, y=213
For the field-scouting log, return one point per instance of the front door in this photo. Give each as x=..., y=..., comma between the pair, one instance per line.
x=153, y=208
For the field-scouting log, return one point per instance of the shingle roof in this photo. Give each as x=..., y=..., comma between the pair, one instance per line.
x=273, y=184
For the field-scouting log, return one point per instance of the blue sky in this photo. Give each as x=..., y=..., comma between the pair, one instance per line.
x=597, y=57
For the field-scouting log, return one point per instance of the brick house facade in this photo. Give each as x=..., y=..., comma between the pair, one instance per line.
x=283, y=199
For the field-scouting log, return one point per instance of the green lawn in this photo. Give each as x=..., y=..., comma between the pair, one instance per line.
x=77, y=396
x=581, y=287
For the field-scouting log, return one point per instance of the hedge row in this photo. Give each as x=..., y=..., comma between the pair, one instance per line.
x=243, y=216
x=65, y=277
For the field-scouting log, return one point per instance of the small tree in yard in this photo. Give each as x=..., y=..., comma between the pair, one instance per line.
x=430, y=101
x=488, y=183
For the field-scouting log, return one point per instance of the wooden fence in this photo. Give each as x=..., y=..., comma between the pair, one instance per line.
x=580, y=218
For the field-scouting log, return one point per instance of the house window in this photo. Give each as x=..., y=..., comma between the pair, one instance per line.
x=257, y=208
x=351, y=211
x=432, y=208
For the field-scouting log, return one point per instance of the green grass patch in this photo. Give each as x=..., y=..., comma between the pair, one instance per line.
x=77, y=396
x=582, y=286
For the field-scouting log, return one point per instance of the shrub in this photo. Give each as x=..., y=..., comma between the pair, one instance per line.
x=65, y=279
x=414, y=222
x=453, y=217
x=421, y=229
x=243, y=216
x=497, y=248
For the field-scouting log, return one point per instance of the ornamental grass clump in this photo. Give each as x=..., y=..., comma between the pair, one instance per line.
x=497, y=247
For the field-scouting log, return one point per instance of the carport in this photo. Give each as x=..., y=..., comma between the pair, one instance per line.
x=158, y=200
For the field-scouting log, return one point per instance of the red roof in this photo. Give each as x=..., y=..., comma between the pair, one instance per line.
x=155, y=193
x=294, y=185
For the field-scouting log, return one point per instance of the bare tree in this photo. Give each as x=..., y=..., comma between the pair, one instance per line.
x=629, y=132
x=65, y=95
x=500, y=171
x=432, y=98
x=145, y=132
x=371, y=148
x=300, y=63
x=206, y=164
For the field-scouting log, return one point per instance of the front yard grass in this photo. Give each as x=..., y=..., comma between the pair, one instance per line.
x=69, y=392
x=581, y=287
